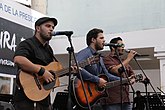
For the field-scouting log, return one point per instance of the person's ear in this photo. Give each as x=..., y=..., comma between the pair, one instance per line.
x=37, y=27
x=112, y=48
x=93, y=40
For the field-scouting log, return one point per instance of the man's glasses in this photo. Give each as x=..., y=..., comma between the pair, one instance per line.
x=121, y=45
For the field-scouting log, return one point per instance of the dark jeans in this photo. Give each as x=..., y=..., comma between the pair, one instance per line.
x=125, y=106
x=29, y=105
x=94, y=107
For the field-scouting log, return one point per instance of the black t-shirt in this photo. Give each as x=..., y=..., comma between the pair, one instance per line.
x=33, y=50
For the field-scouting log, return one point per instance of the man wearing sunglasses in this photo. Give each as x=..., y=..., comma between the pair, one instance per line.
x=112, y=63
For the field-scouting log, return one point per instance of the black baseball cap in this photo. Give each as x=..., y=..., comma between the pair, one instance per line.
x=45, y=19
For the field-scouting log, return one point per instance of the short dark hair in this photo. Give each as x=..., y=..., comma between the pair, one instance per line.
x=138, y=92
x=92, y=34
x=115, y=40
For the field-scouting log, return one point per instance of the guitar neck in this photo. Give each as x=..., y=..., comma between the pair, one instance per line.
x=115, y=83
x=138, y=77
x=62, y=72
x=66, y=70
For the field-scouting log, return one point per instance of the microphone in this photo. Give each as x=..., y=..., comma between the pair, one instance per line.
x=128, y=51
x=67, y=33
x=113, y=45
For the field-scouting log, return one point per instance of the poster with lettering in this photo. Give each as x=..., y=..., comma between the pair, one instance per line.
x=11, y=34
x=16, y=24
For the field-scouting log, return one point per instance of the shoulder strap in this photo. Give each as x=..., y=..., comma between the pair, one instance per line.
x=51, y=52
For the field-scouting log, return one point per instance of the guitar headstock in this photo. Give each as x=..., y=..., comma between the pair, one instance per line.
x=93, y=59
x=138, y=77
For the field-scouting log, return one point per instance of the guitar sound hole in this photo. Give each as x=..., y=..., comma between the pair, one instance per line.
x=100, y=89
x=48, y=86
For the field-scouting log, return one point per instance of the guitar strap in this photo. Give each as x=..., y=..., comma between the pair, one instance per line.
x=51, y=53
x=99, y=66
x=49, y=50
x=101, y=70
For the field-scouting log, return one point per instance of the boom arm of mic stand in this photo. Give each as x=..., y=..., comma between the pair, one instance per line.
x=147, y=81
x=160, y=90
x=81, y=79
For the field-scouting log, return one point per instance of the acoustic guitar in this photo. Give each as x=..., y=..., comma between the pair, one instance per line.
x=93, y=91
x=36, y=88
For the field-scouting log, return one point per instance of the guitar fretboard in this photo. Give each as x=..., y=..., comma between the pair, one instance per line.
x=88, y=61
x=116, y=83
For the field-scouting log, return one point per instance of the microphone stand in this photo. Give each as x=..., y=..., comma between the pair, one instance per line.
x=147, y=81
x=160, y=90
x=121, y=71
x=71, y=51
x=69, y=102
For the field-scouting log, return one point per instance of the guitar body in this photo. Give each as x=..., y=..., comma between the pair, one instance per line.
x=36, y=89
x=30, y=87
x=92, y=90
x=94, y=93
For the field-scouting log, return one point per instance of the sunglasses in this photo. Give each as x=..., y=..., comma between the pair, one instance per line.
x=121, y=45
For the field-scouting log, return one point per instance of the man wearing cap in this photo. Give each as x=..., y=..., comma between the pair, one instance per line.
x=32, y=51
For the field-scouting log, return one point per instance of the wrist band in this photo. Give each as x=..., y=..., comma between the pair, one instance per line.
x=41, y=71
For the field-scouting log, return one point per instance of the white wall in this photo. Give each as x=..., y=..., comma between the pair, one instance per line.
x=114, y=16
x=141, y=23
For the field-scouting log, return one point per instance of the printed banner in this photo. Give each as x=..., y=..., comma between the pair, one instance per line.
x=16, y=24
x=11, y=34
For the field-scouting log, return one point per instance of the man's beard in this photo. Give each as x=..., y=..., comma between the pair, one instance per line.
x=98, y=47
x=121, y=53
x=45, y=37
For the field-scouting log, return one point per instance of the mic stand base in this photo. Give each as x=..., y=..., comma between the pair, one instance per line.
x=146, y=81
